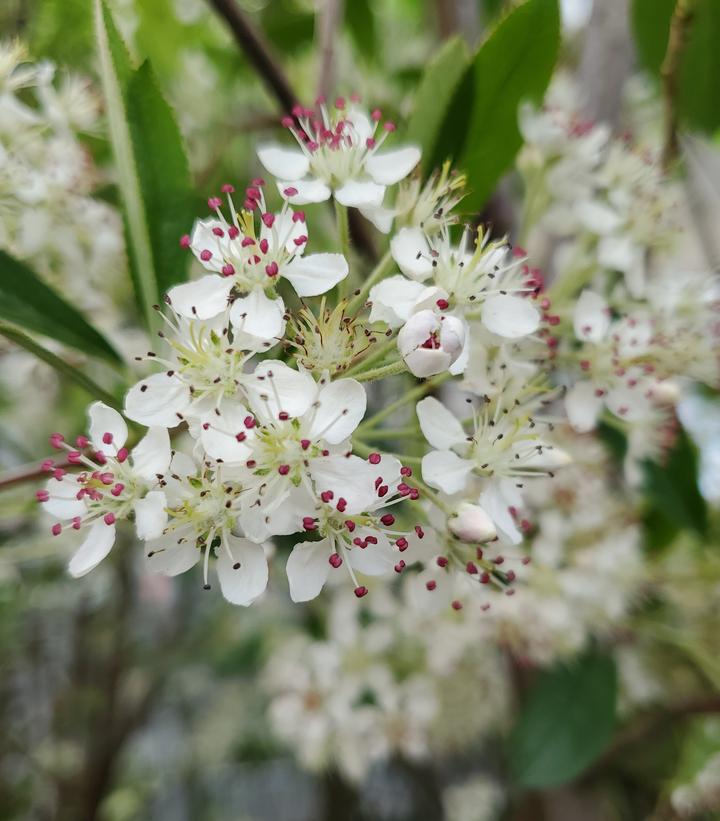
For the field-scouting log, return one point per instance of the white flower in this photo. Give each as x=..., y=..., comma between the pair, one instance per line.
x=247, y=266
x=431, y=342
x=470, y=523
x=339, y=155
x=114, y=485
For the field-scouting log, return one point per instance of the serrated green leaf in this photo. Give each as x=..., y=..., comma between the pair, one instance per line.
x=25, y=300
x=163, y=174
x=699, y=78
x=480, y=130
x=433, y=98
x=565, y=722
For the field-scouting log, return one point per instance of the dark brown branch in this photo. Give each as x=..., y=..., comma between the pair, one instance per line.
x=26, y=473
x=670, y=71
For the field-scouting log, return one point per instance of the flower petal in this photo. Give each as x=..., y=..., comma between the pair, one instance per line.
x=173, y=554
x=275, y=387
x=445, y=470
x=390, y=167
x=510, y=316
x=583, y=406
x=203, y=239
x=339, y=409
x=375, y=559
x=98, y=543
x=157, y=400
x=316, y=273
x=258, y=315
x=218, y=433
x=283, y=163
x=102, y=420
x=152, y=454
x=439, y=426
x=203, y=298
x=381, y=217
x=151, y=515
x=495, y=503
x=63, y=502
x=354, y=194
x=393, y=300
x=410, y=249
x=243, y=577
x=306, y=191
x=591, y=317
x=307, y=569
x=349, y=477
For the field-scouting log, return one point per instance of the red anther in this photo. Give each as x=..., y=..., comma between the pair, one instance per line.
x=388, y=519
x=355, y=97
x=525, y=560
x=287, y=122
x=382, y=491
x=350, y=525
x=552, y=342
x=309, y=524
x=585, y=364
x=107, y=438
x=374, y=458
x=479, y=552
x=268, y=219
x=42, y=495
x=298, y=216
x=545, y=304
x=378, y=482
x=402, y=544
x=419, y=531
x=341, y=504
x=250, y=204
x=510, y=576
x=305, y=443
x=485, y=606
x=241, y=436
x=499, y=560
x=361, y=591
x=327, y=495
x=47, y=465
x=76, y=523
x=109, y=518
x=283, y=416
x=246, y=241
x=320, y=100
x=117, y=489
x=414, y=494
x=339, y=102
x=525, y=525
x=74, y=457
x=228, y=270
x=376, y=115
x=233, y=232
x=214, y=202
x=430, y=585
x=251, y=463
x=258, y=182
x=228, y=189
x=370, y=142
x=362, y=543
x=56, y=529
x=106, y=478
x=122, y=454
x=218, y=231
x=441, y=561
x=389, y=127
x=371, y=539
x=599, y=392
x=205, y=255
x=82, y=441
x=185, y=241
x=335, y=560
x=519, y=251
x=283, y=470
x=56, y=440
x=58, y=473
x=471, y=568
x=249, y=422
x=264, y=246
x=400, y=566
x=405, y=471
x=443, y=304
x=253, y=193
x=484, y=578
x=271, y=269
x=325, y=452
x=456, y=605
x=290, y=191
x=553, y=320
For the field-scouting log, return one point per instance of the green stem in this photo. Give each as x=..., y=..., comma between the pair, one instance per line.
x=75, y=374
x=392, y=369
x=431, y=496
x=377, y=352
x=375, y=275
x=410, y=396
x=394, y=433
x=364, y=450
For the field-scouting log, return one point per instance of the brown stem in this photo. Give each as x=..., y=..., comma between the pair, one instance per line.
x=27, y=473
x=329, y=17
x=669, y=71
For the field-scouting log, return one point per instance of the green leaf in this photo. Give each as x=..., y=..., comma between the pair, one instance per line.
x=432, y=99
x=674, y=499
x=480, y=130
x=163, y=173
x=360, y=21
x=565, y=722
x=27, y=301
x=699, y=77
x=74, y=374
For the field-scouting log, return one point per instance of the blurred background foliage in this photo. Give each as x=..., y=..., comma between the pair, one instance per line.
x=125, y=697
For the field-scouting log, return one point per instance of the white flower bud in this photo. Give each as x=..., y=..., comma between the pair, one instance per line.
x=430, y=342
x=471, y=523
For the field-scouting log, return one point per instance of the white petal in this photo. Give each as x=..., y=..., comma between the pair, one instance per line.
x=316, y=273
x=497, y=506
x=410, y=249
x=151, y=515
x=306, y=191
x=362, y=124
x=286, y=230
x=173, y=554
x=258, y=315
x=510, y=316
x=159, y=403
x=219, y=438
x=98, y=543
x=445, y=470
x=591, y=317
x=382, y=218
x=354, y=194
x=152, y=454
x=597, y=217
x=375, y=559
x=203, y=298
x=424, y=363
x=439, y=426
x=632, y=404
x=275, y=387
x=259, y=523
x=307, y=569
x=393, y=300
x=390, y=167
x=339, y=409
x=244, y=577
x=104, y=419
x=349, y=477
x=583, y=406
x=62, y=503
x=283, y=163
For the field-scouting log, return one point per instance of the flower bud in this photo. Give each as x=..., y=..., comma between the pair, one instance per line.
x=430, y=343
x=471, y=523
